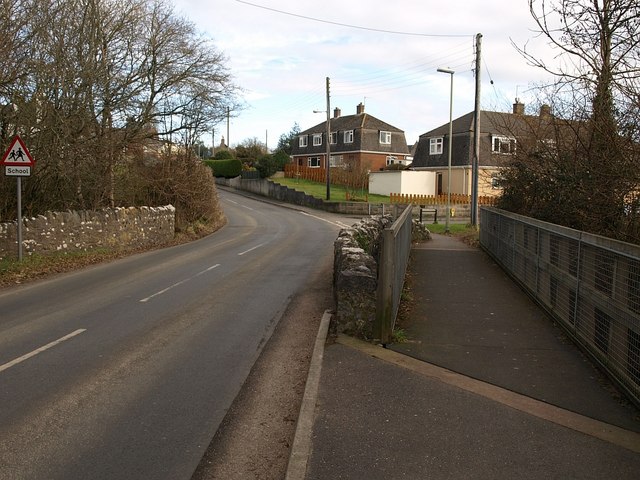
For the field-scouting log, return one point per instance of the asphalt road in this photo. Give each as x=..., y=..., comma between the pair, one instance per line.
x=125, y=370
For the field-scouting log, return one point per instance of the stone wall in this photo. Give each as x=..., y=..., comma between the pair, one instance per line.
x=70, y=231
x=282, y=193
x=355, y=277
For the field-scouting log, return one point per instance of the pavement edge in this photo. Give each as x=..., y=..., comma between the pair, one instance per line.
x=301, y=448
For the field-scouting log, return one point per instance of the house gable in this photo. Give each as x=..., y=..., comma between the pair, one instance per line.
x=372, y=140
x=499, y=131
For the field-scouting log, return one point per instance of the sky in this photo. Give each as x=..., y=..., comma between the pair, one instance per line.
x=384, y=54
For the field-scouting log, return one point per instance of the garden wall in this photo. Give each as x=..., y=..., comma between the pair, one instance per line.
x=84, y=230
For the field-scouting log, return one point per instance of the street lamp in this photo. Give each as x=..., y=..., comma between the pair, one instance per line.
x=450, y=72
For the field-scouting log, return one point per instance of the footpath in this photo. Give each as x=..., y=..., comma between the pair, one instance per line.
x=486, y=387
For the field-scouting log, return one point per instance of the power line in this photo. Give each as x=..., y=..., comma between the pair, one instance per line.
x=313, y=19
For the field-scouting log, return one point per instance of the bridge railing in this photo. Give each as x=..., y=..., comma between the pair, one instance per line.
x=589, y=284
x=392, y=267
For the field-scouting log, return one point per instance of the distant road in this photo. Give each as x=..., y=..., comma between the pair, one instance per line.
x=125, y=370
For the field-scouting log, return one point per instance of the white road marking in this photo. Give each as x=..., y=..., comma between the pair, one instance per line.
x=41, y=349
x=165, y=290
x=251, y=249
x=337, y=224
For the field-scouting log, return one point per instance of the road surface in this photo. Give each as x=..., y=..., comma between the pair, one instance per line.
x=125, y=370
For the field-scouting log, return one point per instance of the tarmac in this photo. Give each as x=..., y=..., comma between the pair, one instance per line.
x=485, y=387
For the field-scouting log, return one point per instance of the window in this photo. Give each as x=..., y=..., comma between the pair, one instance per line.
x=302, y=141
x=385, y=138
x=435, y=145
x=503, y=145
x=313, y=162
x=348, y=136
x=317, y=139
x=391, y=160
x=336, y=161
x=334, y=138
x=496, y=181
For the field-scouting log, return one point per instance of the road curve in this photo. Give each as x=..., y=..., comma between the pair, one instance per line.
x=125, y=370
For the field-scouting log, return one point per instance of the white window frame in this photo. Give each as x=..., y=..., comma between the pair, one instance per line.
x=385, y=137
x=312, y=160
x=334, y=138
x=392, y=160
x=303, y=140
x=348, y=136
x=336, y=161
x=436, y=145
x=503, y=145
x=317, y=139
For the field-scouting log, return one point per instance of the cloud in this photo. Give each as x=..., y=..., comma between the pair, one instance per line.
x=281, y=60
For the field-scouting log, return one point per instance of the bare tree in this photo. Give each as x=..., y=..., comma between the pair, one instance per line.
x=594, y=167
x=96, y=83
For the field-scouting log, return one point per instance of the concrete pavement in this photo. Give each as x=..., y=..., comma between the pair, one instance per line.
x=486, y=387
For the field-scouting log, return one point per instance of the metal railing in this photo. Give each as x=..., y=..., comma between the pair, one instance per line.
x=392, y=267
x=589, y=284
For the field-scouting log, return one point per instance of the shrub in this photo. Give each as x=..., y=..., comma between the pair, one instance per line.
x=267, y=165
x=229, y=168
x=223, y=155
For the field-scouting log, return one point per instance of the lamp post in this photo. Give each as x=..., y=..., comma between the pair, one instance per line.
x=450, y=72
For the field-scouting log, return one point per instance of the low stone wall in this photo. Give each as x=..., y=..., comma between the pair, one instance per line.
x=355, y=277
x=282, y=193
x=84, y=230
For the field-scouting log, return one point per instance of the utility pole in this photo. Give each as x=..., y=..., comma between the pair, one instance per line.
x=328, y=142
x=228, y=115
x=476, y=138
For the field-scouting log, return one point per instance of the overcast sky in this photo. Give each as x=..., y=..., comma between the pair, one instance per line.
x=382, y=53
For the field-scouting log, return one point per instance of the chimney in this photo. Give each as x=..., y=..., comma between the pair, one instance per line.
x=336, y=113
x=545, y=111
x=518, y=107
x=360, y=108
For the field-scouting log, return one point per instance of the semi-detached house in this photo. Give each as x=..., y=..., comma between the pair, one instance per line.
x=358, y=142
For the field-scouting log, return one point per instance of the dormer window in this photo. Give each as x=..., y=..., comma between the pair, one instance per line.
x=317, y=139
x=334, y=138
x=303, y=141
x=435, y=145
x=503, y=145
x=348, y=136
x=385, y=138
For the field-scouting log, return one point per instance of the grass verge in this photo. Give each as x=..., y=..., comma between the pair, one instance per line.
x=35, y=267
x=465, y=232
x=338, y=193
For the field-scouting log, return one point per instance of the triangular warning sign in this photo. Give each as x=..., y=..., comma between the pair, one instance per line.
x=17, y=154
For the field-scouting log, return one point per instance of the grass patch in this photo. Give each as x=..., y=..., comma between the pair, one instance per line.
x=32, y=267
x=467, y=233
x=399, y=336
x=338, y=193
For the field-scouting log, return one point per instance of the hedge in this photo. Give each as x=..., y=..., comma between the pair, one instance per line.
x=230, y=168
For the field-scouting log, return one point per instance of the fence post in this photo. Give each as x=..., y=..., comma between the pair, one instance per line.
x=384, y=301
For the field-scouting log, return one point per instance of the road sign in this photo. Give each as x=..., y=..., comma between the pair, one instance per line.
x=17, y=163
x=14, y=171
x=17, y=154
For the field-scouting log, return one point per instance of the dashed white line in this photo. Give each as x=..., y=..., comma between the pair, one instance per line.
x=251, y=249
x=40, y=350
x=165, y=290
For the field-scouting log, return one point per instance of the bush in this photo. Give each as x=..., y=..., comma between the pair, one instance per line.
x=223, y=155
x=267, y=165
x=229, y=168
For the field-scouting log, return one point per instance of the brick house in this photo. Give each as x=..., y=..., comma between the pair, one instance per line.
x=358, y=142
x=499, y=131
